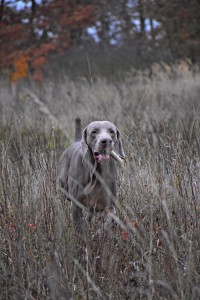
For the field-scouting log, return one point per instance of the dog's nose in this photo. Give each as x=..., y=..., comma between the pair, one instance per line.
x=106, y=142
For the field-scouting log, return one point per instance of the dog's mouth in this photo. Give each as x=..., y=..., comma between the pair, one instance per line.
x=100, y=156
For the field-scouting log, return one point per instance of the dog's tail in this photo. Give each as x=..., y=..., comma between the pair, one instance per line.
x=77, y=129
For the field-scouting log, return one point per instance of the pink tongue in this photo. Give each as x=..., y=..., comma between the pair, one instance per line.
x=102, y=157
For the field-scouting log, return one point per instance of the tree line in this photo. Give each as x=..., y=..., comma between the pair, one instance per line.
x=31, y=30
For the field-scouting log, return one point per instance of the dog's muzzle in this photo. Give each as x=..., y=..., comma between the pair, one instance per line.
x=103, y=150
x=100, y=156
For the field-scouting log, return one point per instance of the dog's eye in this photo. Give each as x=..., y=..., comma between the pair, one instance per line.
x=112, y=131
x=94, y=132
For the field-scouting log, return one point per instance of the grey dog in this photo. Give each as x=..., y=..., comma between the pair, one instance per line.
x=87, y=169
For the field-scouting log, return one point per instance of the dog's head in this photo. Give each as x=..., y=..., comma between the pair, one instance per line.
x=102, y=138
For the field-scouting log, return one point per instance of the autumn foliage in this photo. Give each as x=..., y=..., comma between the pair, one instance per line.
x=29, y=35
x=20, y=68
x=36, y=29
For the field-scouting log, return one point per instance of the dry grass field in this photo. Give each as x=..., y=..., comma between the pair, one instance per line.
x=157, y=254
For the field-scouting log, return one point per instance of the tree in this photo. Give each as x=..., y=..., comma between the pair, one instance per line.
x=180, y=26
x=30, y=33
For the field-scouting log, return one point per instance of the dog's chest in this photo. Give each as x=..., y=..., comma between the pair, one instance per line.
x=97, y=197
x=99, y=193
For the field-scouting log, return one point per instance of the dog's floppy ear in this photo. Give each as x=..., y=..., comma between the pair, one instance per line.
x=84, y=142
x=119, y=146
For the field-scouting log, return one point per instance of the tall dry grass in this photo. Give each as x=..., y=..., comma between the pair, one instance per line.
x=157, y=256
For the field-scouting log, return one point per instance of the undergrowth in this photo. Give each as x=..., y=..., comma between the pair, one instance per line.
x=155, y=255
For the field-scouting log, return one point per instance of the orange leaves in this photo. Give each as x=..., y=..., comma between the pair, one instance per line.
x=84, y=14
x=81, y=15
x=22, y=64
x=39, y=61
x=39, y=58
x=38, y=75
x=26, y=42
x=44, y=49
x=34, y=59
x=20, y=68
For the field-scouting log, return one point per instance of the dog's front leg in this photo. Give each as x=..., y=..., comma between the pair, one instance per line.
x=77, y=216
